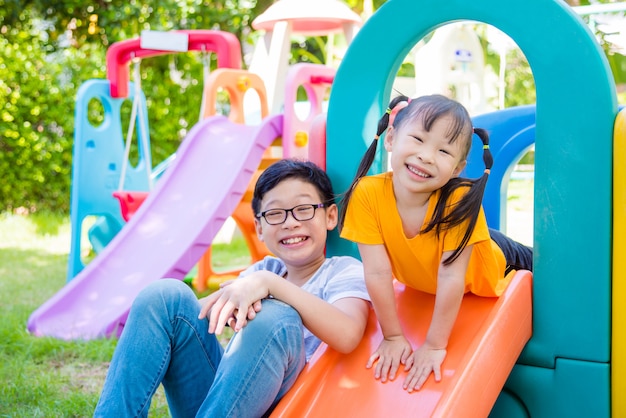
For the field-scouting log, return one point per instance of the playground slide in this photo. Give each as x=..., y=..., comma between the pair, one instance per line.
x=167, y=235
x=487, y=339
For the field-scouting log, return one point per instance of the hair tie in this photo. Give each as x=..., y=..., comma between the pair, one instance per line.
x=394, y=112
x=376, y=137
x=487, y=171
x=486, y=146
x=388, y=111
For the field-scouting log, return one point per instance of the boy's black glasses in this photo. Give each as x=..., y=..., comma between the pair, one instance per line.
x=299, y=213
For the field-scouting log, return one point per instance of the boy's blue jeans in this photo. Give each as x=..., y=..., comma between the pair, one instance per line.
x=164, y=342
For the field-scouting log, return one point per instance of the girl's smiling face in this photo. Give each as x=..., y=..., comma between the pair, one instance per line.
x=424, y=161
x=297, y=243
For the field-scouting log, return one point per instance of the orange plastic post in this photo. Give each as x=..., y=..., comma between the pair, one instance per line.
x=236, y=83
x=207, y=277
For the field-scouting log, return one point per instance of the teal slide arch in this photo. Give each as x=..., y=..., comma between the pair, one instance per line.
x=576, y=106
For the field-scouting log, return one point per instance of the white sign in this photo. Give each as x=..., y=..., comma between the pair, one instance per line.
x=164, y=41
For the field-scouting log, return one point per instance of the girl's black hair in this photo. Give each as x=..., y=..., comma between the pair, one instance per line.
x=429, y=109
x=292, y=168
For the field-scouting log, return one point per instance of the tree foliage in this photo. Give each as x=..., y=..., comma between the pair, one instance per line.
x=35, y=132
x=48, y=49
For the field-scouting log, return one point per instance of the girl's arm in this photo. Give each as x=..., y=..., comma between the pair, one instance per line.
x=379, y=281
x=450, y=289
x=340, y=325
x=395, y=348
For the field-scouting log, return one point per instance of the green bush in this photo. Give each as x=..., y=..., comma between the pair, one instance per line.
x=49, y=49
x=37, y=114
x=35, y=130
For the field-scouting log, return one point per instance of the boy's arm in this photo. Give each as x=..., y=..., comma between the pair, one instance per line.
x=341, y=325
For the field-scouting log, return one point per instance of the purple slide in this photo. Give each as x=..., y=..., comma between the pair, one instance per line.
x=167, y=235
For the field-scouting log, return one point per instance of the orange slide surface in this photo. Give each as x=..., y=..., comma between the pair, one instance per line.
x=486, y=341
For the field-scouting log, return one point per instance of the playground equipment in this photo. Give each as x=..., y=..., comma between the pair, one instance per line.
x=99, y=150
x=488, y=337
x=572, y=365
x=294, y=143
x=566, y=367
x=286, y=18
x=316, y=81
x=237, y=83
x=167, y=233
x=512, y=134
x=93, y=190
x=618, y=343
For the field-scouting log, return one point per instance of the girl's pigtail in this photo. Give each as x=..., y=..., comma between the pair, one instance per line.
x=487, y=157
x=368, y=158
x=468, y=208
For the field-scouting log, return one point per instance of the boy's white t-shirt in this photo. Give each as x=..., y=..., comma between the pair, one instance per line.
x=339, y=277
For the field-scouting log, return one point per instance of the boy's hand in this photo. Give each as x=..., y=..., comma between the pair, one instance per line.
x=391, y=352
x=252, y=310
x=233, y=304
x=426, y=360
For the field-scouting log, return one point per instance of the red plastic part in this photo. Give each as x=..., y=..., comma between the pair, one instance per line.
x=318, y=79
x=130, y=202
x=224, y=44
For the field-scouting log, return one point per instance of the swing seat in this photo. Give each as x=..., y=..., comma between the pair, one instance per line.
x=129, y=202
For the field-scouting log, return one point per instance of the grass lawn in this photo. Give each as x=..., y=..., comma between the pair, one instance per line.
x=45, y=377
x=42, y=377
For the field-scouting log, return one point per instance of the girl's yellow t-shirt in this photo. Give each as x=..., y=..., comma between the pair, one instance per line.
x=372, y=218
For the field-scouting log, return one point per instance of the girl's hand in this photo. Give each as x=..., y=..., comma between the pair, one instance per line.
x=235, y=303
x=390, y=354
x=426, y=360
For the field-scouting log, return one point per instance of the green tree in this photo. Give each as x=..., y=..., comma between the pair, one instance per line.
x=35, y=130
x=49, y=49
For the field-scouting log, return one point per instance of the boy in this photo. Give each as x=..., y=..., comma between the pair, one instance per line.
x=280, y=308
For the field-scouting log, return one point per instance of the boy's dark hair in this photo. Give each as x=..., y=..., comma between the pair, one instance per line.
x=292, y=168
x=429, y=109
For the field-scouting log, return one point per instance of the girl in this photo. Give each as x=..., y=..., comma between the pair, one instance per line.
x=424, y=225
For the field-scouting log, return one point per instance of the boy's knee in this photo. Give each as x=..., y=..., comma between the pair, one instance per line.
x=277, y=330
x=280, y=311
x=160, y=290
x=275, y=315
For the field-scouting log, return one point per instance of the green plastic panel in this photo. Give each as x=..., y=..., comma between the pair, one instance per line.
x=572, y=389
